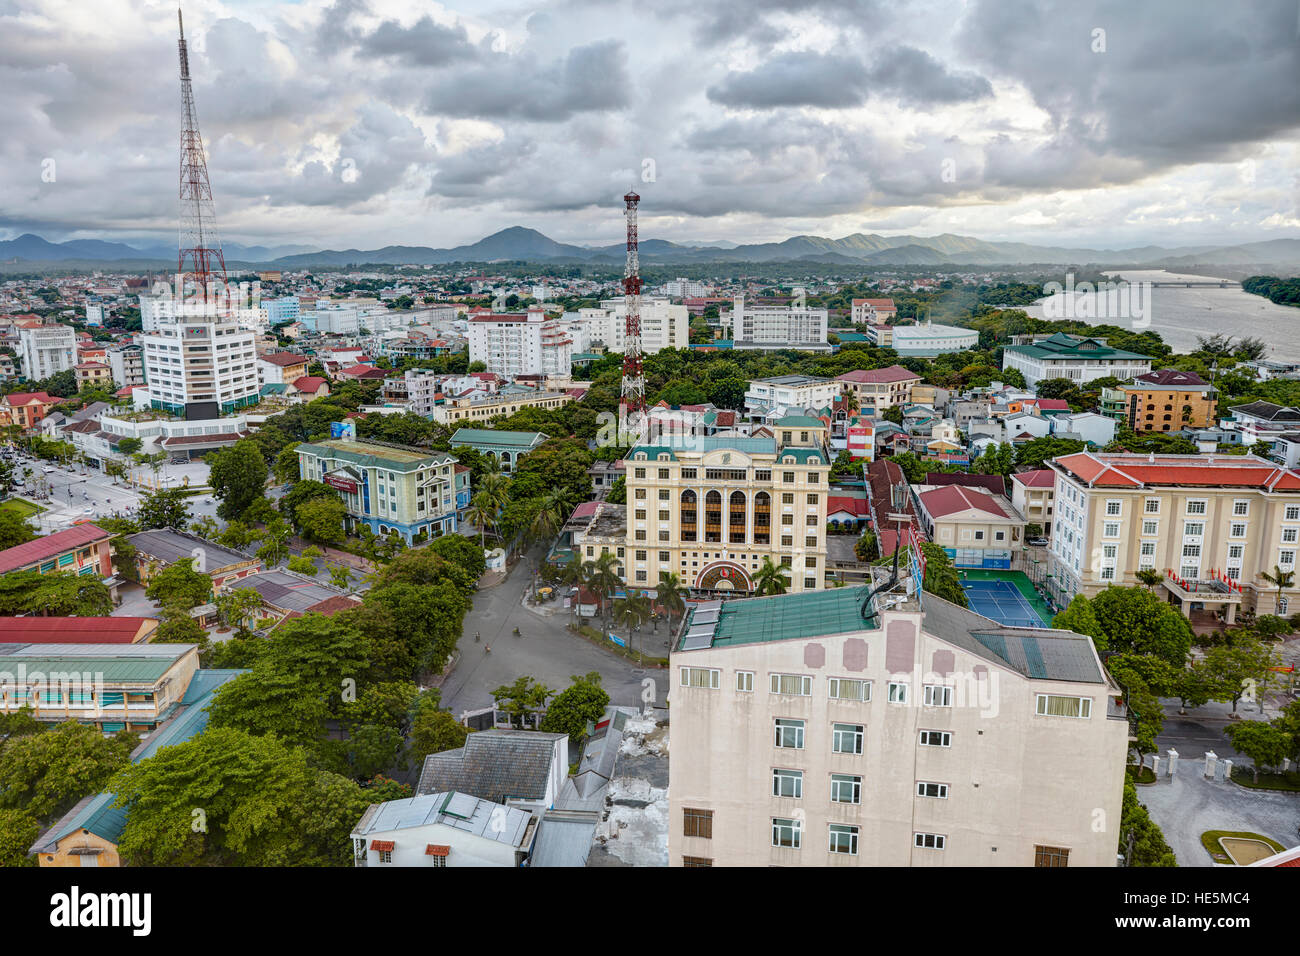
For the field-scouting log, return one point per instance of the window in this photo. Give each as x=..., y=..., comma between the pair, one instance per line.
x=930, y=841
x=787, y=783
x=1288, y=535
x=697, y=861
x=787, y=833
x=1113, y=507
x=697, y=823
x=1051, y=856
x=1240, y=508
x=787, y=498
x=789, y=733
x=1237, y=530
x=1050, y=705
x=1150, y=527
x=842, y=688
x=745, y=680
x=1235, y=552
x=938, y=695
x=1292, y=513
x=787, y=477
x=936, y=790
x=385, y=856
x=844, y=839
x=796, y=685
x=897, y=692
x=1193, y=529
x=1196, y=507
x=1152, y=506
x=1286, y=558
x=846, y=788
x=1110, y=529
x=700, y=677
x=936, y=738
x=847, y=739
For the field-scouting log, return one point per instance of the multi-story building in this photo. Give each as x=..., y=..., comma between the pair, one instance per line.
x=279, y=311
x=924, y=339
x=1074, y=357
x=1032, y=493
x=83, y=550
x=506, y=447
x=776, y=327
x=1262, y=421
x=201, y=366
x=1209, y=520
x=790, y=391
x=838, y=729
x=520, y=343
x=975, y=529
x=1168, y=400
x=25, y=409
x=93, y=375
x=126, y=364
x=873, y=311
x=681, y=288
x=484, y=409
x=663, y=325
x=281, y=368
x=112, y=686
x=388, y=488
x=878, y=389
x=46, y=350
x=711, y=509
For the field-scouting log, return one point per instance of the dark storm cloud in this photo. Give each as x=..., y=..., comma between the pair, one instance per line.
x=425, y=44
x=796, y=79
x=918, y=79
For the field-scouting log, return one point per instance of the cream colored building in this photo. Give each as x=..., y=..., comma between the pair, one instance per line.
x=711, y=509
x=1203, y=518
x=975, y=529
x=493, y=406
x=809, y=733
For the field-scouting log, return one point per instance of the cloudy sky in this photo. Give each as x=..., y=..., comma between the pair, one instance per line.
x=360, y=123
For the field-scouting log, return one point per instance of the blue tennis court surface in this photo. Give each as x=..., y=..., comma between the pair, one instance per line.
x=1001, y=601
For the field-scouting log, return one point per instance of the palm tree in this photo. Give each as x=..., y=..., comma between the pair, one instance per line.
x=575, y=574
x=770, y=578
x=631, y=612
x=1150, y=577
x=603, y=579
x=494, y=485
x=1281, y=580
x=550, y=516
x=671, y=593
x=482, y=513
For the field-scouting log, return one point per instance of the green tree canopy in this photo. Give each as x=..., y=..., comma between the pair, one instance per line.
x=237, y=476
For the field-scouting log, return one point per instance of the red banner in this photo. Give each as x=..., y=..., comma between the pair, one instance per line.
x=342, y=484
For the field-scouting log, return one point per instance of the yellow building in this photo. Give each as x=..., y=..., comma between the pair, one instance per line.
x=711, y=509
x=1167, y=400
x=1212, y=524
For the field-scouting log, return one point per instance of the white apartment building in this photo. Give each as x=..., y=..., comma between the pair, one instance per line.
x=95, y=314
x=663, y=325
x=127, y=364
x=926, y=339
x=685, y=289
x=776, y=327
x=1074, y=357
x=873, y=311
x=790, y=391
x=833, y=729
x=1208, y=519
x=205, y=364
x=46, y=350
x=511, y=344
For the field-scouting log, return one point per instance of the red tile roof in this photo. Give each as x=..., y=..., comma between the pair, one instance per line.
x=284, y=359
x=1039, y=478
x=50, y=546
x=875, y=303
x=994, y=484
x=308, y=383
x=1049, y=404
x=879, y=376
x=952, y=499
x=71, y=630
x=854, y=506
x=26, y=398
x=1139, y=471
x=364, y=371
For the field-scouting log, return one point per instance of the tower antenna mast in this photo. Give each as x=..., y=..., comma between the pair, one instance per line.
x=200, y=260
x=633, y=392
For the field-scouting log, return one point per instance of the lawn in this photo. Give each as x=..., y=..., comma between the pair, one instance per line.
x=1267, y=781
x=1210, y=840
x=21, y=507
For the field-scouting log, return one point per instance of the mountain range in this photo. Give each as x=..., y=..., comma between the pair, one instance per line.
x=521, y=243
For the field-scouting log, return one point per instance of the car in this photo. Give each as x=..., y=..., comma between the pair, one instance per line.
x=208, y=501
x=1036, y=542
x=87, y=511
x=48, y=470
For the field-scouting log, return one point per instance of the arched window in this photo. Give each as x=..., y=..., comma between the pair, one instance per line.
x=688, y=515
x=713, y=517
x=762, y=518
x=736, y=520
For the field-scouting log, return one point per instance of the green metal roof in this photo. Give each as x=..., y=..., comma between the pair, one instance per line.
x=803, y=455
x=1062, y=345
x=785, y=617
x=800, y=421
x=370, y=455
x=486, y=436
x=114, y=670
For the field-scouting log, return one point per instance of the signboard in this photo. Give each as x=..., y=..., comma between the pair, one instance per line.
x=342, y=484
x=343, y=430
x=618, y=640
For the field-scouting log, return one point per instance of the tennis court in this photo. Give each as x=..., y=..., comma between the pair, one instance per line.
x=1002, y=601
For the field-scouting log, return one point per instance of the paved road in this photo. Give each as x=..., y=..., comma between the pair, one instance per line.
x=547, y=651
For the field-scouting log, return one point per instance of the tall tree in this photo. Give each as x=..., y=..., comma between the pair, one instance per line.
x=237, y=476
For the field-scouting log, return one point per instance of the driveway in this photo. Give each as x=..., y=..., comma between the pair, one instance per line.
x=1187, y=805
x=546, y=651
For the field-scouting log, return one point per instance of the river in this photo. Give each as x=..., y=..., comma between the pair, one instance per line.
x=1179, y=315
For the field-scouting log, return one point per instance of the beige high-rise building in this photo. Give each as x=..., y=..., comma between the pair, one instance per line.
x=1210, y=523
x=710, y=509
x=809, y=731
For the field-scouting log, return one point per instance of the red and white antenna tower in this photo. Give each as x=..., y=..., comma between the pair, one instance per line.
x=200, y=260
x=633, y=395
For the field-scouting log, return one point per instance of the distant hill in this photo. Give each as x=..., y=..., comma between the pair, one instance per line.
x=519, y=243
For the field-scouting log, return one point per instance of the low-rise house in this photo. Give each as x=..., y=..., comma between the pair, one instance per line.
x=25, y=409
x=525, y=769
x=1032, y=494
x=443, y=830
x=161, y=548
x=506, y=447
x=83, y=549
x=293, y=595
x=281, y=368
x=1098, y=430
x=976, y=529
x=1258, y=421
